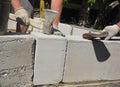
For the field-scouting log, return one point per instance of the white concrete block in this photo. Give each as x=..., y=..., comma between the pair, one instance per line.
x=16, y=60
x=92, y=60
x=49, y=58
x=65, y=28
x=40, y=29
x=11, y=24
x=79, y=31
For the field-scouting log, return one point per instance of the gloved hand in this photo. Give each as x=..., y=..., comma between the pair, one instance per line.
x=22, y=15
x=111, y=31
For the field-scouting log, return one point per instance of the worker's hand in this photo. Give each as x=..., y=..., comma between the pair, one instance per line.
x=111, y=30
x=22, y=16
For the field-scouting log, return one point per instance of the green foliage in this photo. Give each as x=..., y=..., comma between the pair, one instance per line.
x=65, y=2
x=91, y=2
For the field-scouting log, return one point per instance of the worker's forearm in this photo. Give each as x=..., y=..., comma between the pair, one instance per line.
x=16, y=4
x=57, y=6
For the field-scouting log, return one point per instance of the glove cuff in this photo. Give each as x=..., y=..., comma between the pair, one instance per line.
x=117, y=26
x=19, y=9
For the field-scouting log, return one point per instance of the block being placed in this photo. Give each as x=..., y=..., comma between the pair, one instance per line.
x=49, y=58
x=65, y=28
x=16, y=60
x=88, y=60
x=79, y=31
x=11, y=24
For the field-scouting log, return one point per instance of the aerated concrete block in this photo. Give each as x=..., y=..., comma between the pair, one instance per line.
x=79, y=31
x=88, y=60
x=16, y=60
x=65, y=28
x=49, y=59
x=12, y=24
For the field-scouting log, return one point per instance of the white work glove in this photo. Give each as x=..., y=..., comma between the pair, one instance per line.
x=111, y=30
x=22, y=15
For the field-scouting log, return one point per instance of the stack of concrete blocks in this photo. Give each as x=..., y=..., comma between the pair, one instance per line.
x=83, y=60
x=59, y=59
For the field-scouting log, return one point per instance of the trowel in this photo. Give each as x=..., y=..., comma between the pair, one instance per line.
x=90, y=35
x=43, y=24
